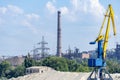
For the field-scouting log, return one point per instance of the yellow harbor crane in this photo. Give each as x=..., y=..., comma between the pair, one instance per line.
x=99, y=64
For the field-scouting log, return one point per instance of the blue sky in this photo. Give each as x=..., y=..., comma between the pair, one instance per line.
x=24, y=22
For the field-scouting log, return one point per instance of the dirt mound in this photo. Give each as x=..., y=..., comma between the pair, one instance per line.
x=51, y=74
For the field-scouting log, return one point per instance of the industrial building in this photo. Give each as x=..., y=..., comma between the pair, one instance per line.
x=117, y=51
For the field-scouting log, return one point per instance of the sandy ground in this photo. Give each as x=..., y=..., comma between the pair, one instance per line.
x=57, y=75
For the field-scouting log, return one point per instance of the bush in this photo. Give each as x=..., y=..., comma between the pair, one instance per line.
x=56, y=63
x=63, y=64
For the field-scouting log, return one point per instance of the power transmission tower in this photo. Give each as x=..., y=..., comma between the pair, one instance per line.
x=43, y=48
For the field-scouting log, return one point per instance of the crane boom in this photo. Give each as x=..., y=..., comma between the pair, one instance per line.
x=110, y=15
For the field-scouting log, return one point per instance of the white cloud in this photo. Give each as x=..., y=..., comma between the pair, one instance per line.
x=64, y=10
x=92, y=7
x=30, y=26
x=15, y=9
x=14, y=15
x=96, y=8
x=78, y=7
x=3, y=10
x=51, y=7
x=75, y=4
x=11, y=10
x=32, y=16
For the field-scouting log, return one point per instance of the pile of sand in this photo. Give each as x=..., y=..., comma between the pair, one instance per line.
x=57, y=75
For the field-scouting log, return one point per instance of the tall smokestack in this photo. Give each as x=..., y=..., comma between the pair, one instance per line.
x=58, y=35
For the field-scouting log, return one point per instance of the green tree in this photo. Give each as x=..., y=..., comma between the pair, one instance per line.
x=113, y=66
x=5, y=69
x=28, y=62
x=19, y=71
x=72, y=65
x=56, y=63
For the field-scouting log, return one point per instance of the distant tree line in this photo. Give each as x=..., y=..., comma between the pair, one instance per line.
x=57, y=63
x=63, y=64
